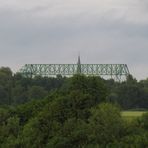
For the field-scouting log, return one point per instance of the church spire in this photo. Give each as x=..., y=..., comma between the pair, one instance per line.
x=79, y=65
x=79, y=60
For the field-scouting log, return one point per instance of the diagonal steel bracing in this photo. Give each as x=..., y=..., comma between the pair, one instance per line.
x=115, y=71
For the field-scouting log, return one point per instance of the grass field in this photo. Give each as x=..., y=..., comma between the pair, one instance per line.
x=129, y=115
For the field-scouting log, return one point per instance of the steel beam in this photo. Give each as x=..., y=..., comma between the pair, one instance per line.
x=117, y=72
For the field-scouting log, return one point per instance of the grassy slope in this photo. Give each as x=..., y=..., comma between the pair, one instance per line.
x=129, y=115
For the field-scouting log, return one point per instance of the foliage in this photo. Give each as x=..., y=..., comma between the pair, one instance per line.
x=74, y=112
x=106, y=123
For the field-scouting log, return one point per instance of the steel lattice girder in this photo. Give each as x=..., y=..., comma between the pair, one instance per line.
x=115, y=71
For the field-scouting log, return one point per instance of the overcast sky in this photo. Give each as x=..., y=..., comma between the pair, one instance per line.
x=55, y=31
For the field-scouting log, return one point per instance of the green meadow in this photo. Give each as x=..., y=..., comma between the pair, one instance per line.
x=132, y=114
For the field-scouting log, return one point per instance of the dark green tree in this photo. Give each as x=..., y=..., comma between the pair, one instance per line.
x=37, y=92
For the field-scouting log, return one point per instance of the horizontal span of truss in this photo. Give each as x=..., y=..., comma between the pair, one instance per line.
x=47, y=70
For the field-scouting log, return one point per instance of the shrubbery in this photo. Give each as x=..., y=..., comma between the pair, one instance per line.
x=77, y=112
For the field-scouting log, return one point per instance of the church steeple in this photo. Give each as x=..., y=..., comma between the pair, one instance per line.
x=79, y=65
x=79, y=60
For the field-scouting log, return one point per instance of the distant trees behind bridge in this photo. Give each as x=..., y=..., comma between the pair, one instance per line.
x=16, y=89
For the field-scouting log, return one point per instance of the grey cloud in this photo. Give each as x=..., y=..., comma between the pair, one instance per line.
x=28, y=36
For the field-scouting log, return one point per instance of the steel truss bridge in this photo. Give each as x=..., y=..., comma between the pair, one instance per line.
x=118, y=72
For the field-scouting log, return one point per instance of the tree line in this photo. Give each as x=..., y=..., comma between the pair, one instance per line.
x=16, y=89
x=77, y=112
